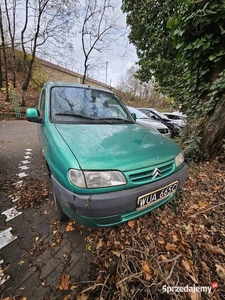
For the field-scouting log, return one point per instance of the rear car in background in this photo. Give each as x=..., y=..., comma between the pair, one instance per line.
x=105, y=168
x=142, y=118
x=152, y=113
x=177, y=117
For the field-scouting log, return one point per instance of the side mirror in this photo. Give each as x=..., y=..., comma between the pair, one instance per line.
x=32, y=115
x=134, y=116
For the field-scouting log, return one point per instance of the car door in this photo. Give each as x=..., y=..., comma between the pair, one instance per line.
x=41, y=126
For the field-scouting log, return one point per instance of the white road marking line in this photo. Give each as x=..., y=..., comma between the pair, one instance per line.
x=14, y=199
x=27, y=156
x=6, y=237
x=3, y=278
x=18, y=183
x=24, y=167
x=11, y=213
x=25, y=162
x=21, y=175
x=28, y=149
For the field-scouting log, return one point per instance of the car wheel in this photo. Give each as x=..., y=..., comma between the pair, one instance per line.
x=61, y=216
x=171, y=131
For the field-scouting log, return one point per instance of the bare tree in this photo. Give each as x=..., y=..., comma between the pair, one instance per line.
x=3, y=48
x=11, y=20
x=31, y=25
x=100, y=28
x=50, y=19
x=136, y=93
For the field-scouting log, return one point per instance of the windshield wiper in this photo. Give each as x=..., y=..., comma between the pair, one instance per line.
x=75, y=115
x=116, y=119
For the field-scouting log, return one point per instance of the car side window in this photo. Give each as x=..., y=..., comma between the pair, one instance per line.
x=42, y=103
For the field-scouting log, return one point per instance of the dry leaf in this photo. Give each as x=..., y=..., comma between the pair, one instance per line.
x=68, y=297
x=215, y=249
x=194, y=206
x=171, y=247
x=146, y=266
x=204, y=266
x=43, y=282
x=116, y=243
x=220, y=271
x=193, y=278
x=186, y=265
x=217, y=187
x=99, y=245
x=131, y=224
x=203, y=203
x=70, y=227
x=64, y=283
x=161, y=240
x=82, y=296
x=147, y=270
x=117, y=253
x=175, y=238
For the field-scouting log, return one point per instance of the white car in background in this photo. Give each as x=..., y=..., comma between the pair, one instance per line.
x=143, y=119
x=177, y=117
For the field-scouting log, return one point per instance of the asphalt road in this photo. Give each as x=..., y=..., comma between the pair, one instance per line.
x=36, y=251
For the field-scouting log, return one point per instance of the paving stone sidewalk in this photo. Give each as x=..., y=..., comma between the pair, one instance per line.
x=40, y=251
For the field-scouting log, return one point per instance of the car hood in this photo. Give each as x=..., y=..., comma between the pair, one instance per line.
x=116, y=146
x=149, y=122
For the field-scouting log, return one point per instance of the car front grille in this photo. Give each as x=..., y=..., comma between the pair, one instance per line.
x=148, y=175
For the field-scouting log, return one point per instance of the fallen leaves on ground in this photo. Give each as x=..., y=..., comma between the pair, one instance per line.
x=31, y=193
x=179, y=244
x=64, y=282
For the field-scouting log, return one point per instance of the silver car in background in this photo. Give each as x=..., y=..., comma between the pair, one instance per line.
x=143, y=119
x=177, y=117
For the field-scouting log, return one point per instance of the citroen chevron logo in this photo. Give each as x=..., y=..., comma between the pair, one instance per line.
x=156, y=173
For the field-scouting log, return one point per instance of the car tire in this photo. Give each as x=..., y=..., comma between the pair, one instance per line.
x=61, y=216
x=171, y=131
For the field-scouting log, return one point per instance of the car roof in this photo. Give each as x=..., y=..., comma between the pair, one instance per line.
x=51, y=84
x=174, y=113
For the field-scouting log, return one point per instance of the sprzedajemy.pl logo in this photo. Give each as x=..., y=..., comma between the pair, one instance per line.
x=193, y=289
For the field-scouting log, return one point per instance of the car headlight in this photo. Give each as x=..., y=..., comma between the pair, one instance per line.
x=96, y=179
x=179, y=159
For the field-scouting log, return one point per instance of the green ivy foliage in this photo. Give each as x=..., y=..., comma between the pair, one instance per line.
x=182, y=44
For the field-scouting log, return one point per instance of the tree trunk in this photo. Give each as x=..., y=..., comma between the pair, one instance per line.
x=213, y=138
x=1, y=83
x=4, y=57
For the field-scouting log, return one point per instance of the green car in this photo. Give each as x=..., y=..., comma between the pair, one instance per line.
x=105, y=169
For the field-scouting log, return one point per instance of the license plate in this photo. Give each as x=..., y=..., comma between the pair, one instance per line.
x=147, y=199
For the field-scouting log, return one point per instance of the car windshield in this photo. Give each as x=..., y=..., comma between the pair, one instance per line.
x=161, y=115
x=77, y=104
x=154, y=114
x=139, y=114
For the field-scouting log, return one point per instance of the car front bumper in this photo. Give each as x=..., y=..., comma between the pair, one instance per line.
x=110, y=209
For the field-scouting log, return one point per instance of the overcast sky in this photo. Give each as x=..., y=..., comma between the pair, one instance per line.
x=117, y=61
